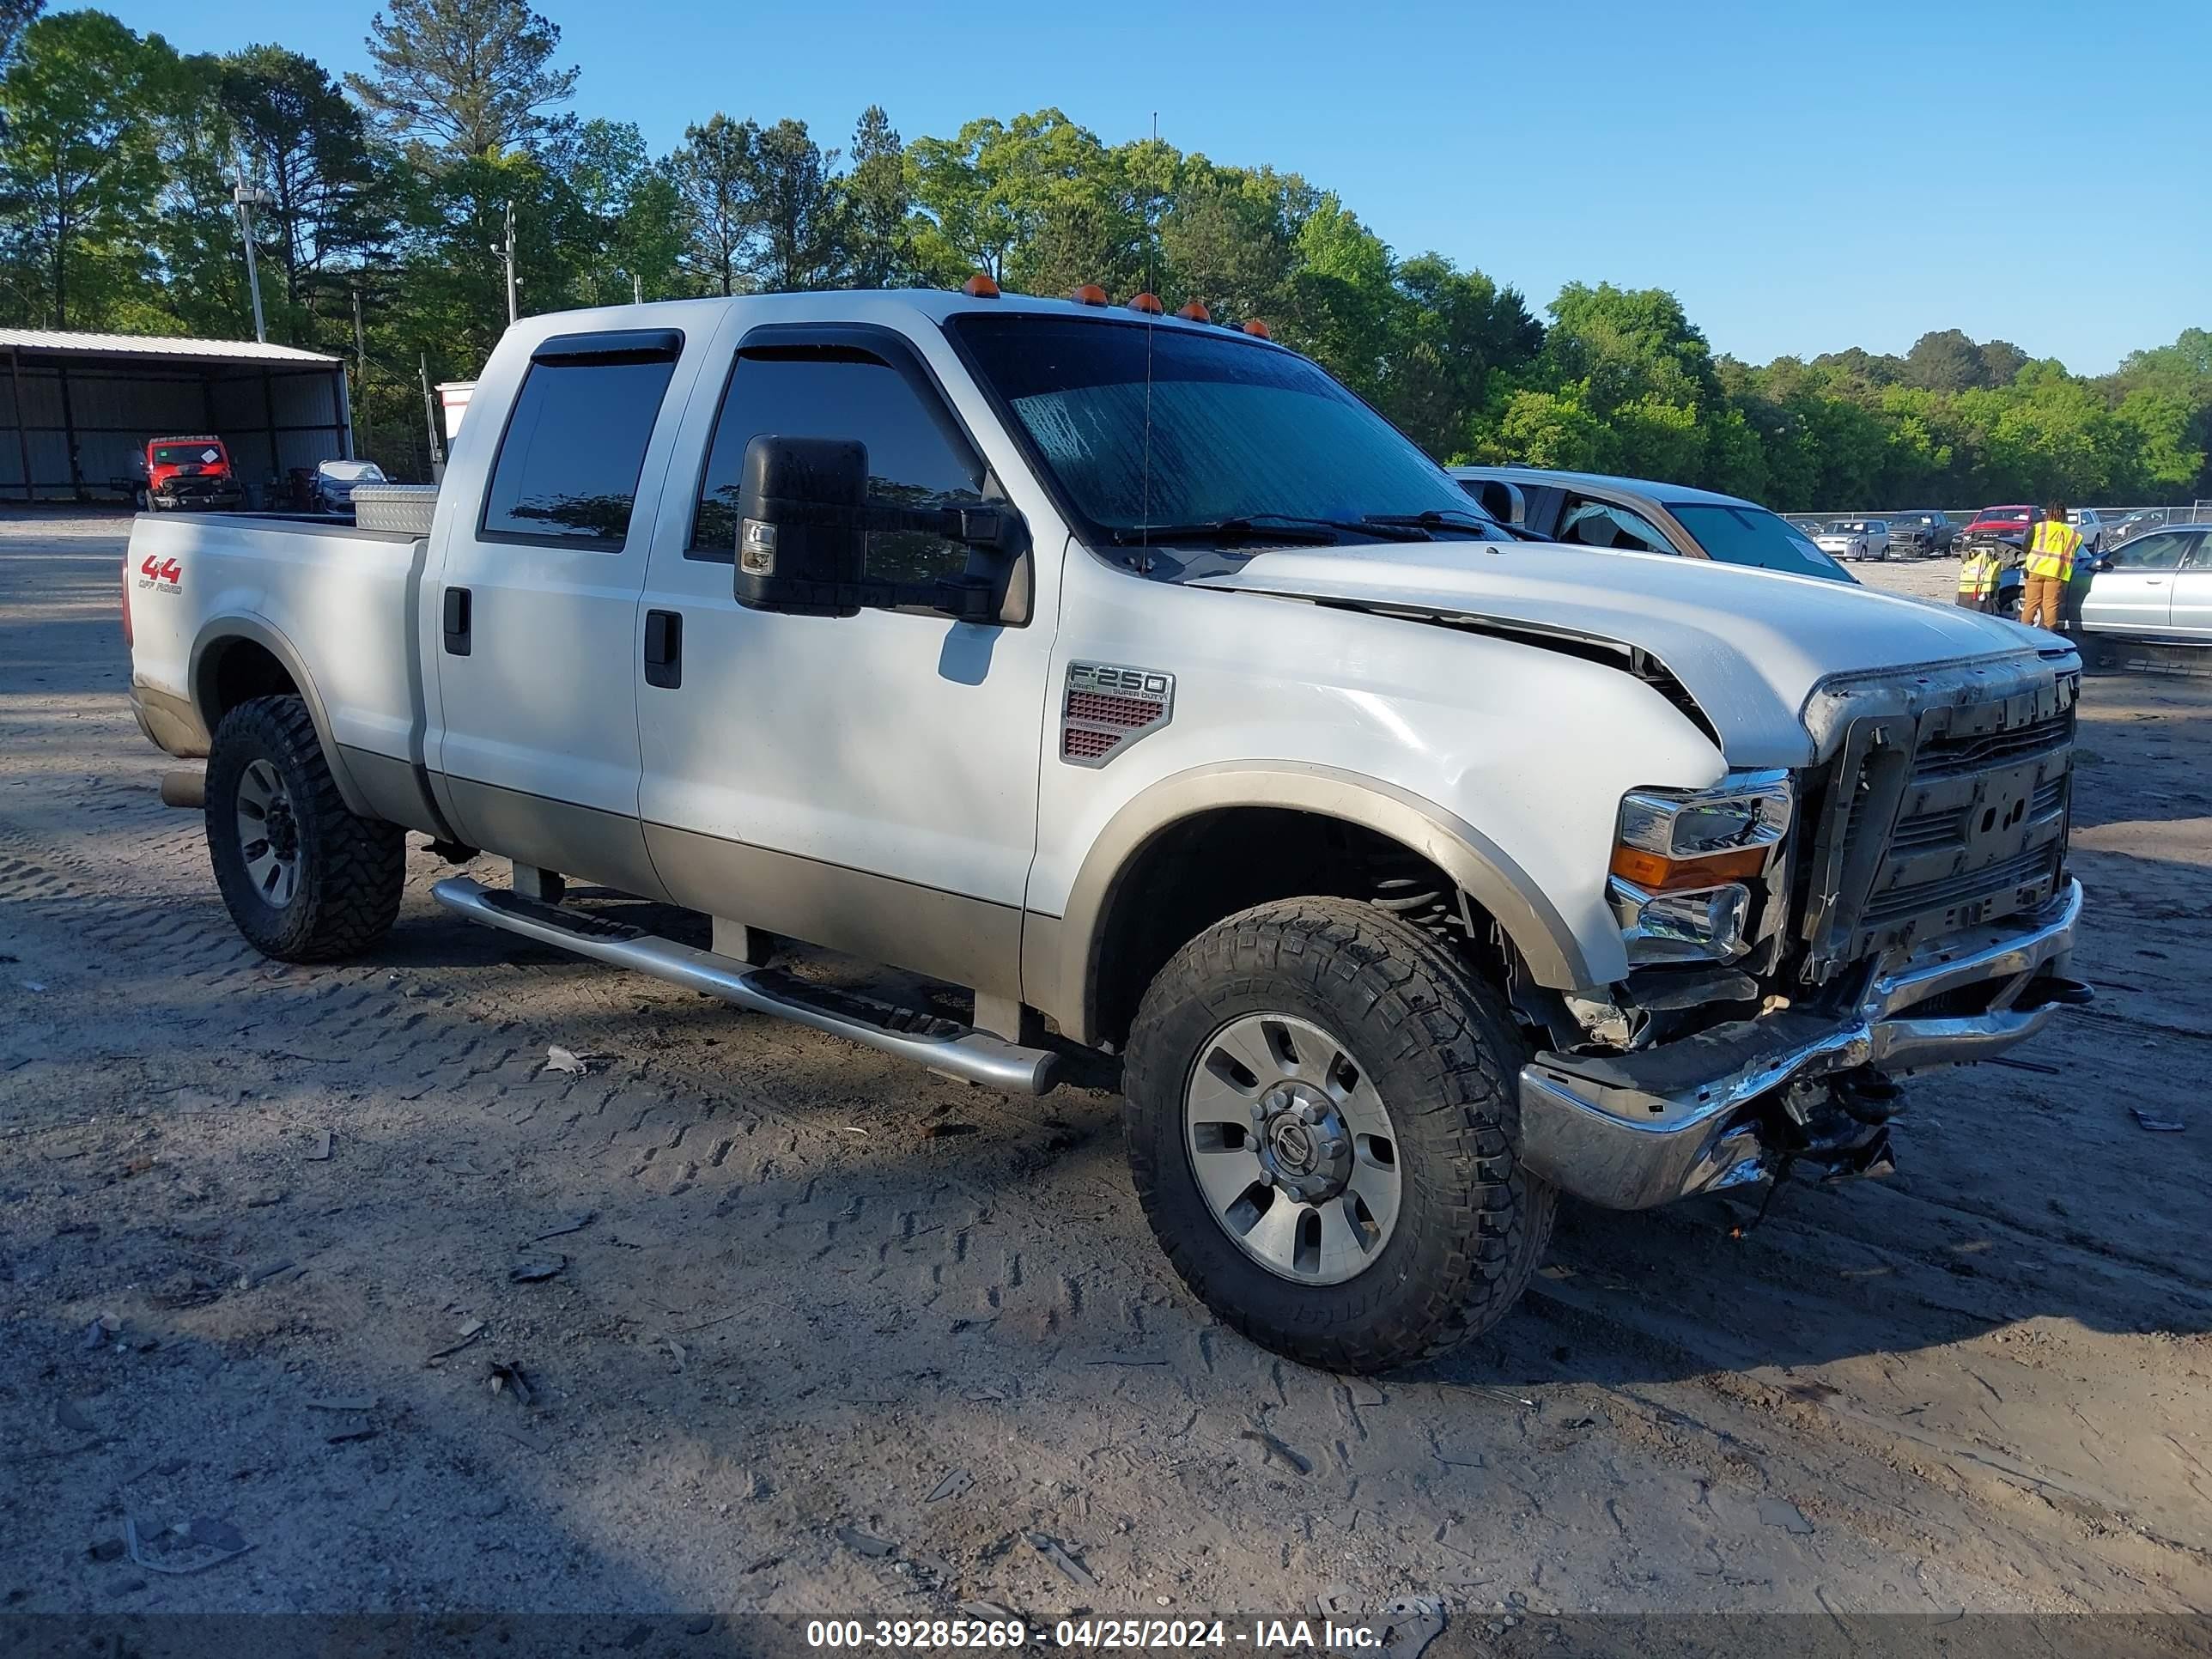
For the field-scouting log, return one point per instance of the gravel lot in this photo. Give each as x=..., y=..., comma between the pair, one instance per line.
x=821, y=1299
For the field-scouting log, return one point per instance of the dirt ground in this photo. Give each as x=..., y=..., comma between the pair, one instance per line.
x=826, y=1334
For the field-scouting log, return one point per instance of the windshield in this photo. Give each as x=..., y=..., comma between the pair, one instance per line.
x=200, y=454
x=1753, y=536
x=2007, y=514
x=1234, y=430
x=1846, y=527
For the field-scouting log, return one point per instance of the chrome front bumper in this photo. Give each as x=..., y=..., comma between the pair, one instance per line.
x=1634, y=1130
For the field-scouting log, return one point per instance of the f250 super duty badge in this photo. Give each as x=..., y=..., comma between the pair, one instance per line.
x=1107, y=707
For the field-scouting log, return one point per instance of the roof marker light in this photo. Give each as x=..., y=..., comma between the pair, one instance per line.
x=980, y=287
x=1148, y=303
x=1195, y=311
x=1255, y=327
x=1090, y=293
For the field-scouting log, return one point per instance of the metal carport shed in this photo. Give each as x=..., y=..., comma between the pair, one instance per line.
x=76, y=410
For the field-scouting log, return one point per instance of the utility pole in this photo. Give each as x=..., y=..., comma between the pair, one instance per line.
x=510, y=265
x=430, y=420
x=360, y=365
x=245, y=198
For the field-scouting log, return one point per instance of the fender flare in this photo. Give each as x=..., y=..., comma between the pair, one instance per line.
x=1063, y=978
x=220, y=631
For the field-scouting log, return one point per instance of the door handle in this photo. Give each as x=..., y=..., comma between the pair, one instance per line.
x=664, y=649
x=457, y=619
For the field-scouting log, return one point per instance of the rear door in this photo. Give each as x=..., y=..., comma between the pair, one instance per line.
x=2136, y=596
x=538, y=607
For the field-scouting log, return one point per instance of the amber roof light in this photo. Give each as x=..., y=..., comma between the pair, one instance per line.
x=1090, y=293
x=1148, y=303
x=980, y=287
x=1195, y=311
x=1255, y=327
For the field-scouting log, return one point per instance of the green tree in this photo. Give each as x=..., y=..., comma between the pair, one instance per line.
x=470, y=77
x=626, y=213
x=15, y=17
x=712, y=173
x=795, y=211
x=879, y=249
x=79, y=176
x=307, y=147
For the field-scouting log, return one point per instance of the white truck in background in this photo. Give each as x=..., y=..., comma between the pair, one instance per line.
x=1128, y=672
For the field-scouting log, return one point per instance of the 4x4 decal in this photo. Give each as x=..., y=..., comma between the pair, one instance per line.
x=164, y=574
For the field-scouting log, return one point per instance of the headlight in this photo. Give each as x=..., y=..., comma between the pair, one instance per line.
x=1683, y=860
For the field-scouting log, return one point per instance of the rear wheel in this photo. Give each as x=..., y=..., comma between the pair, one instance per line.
x=1321, y=1116
x=305, y=879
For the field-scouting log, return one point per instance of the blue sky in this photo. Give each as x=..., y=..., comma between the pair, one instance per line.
x=1806, y=177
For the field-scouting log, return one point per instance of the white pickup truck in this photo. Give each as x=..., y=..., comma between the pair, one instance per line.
x=1126, y=671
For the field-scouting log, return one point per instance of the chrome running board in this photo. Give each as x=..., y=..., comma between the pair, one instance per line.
x=943, y=1045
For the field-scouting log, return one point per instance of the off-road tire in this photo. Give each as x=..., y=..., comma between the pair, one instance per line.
x=351, y=869
x=1442, y=1051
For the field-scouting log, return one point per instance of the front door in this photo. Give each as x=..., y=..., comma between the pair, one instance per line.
x=869, y=782
x=538, y=609
x=2191, y=615
x=2136, y=596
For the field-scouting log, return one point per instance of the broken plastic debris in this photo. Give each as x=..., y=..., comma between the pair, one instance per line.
x=576, y=1223
x=322, y=1151
x=2160, y=1125
x=537, y=1270
x=1075, y=1572
x=567, y=1060
x=865, y=1543
x=955, y=1482
x=1781, y=1512
x=1277, y=1450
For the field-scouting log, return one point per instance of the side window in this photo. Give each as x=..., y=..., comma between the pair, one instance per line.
x=1603, y=524
x=2199, y=556
x=2156, y=552
x=916, y=456
x=568, y=461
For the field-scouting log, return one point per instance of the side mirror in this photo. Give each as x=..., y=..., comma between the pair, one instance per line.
x=801, y=546
x=2102, y=565
x=803, y=522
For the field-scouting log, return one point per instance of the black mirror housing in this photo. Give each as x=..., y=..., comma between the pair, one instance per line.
x=802, y=546
x=803, y=522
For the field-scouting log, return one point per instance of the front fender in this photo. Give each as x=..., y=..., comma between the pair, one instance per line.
x=1061, y=974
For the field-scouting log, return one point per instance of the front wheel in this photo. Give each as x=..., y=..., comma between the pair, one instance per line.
x=305, y=879
x=1322, y=1114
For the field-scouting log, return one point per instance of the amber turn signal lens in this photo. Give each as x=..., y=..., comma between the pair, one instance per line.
x=1148, y=303
x=980, y=287
x=1656, y=873
x=1089, y=295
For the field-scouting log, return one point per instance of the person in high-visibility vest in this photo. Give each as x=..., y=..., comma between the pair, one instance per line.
x=1977, y=580
x=2051, y=550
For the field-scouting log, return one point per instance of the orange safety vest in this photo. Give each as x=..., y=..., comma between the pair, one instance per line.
x=2051, y=549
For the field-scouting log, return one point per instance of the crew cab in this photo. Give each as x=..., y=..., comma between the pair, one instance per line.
x=1126, y=671
x=186, y=473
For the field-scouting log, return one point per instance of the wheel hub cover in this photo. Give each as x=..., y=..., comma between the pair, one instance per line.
x=1303, y=1142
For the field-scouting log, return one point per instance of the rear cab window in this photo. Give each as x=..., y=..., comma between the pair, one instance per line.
x=568, y=461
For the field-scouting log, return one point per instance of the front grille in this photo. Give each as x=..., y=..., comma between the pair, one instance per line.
x=1938, y=818
x=1946, y=757
x=2026, y=869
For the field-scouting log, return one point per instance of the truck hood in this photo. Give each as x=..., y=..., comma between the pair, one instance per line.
x=1748, y=645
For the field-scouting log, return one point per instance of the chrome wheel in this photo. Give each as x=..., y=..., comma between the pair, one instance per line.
x=268, y=834
x=1292, y=1148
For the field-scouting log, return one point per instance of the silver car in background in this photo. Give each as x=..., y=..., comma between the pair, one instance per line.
x=1591, y=509
x=1855, y=538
